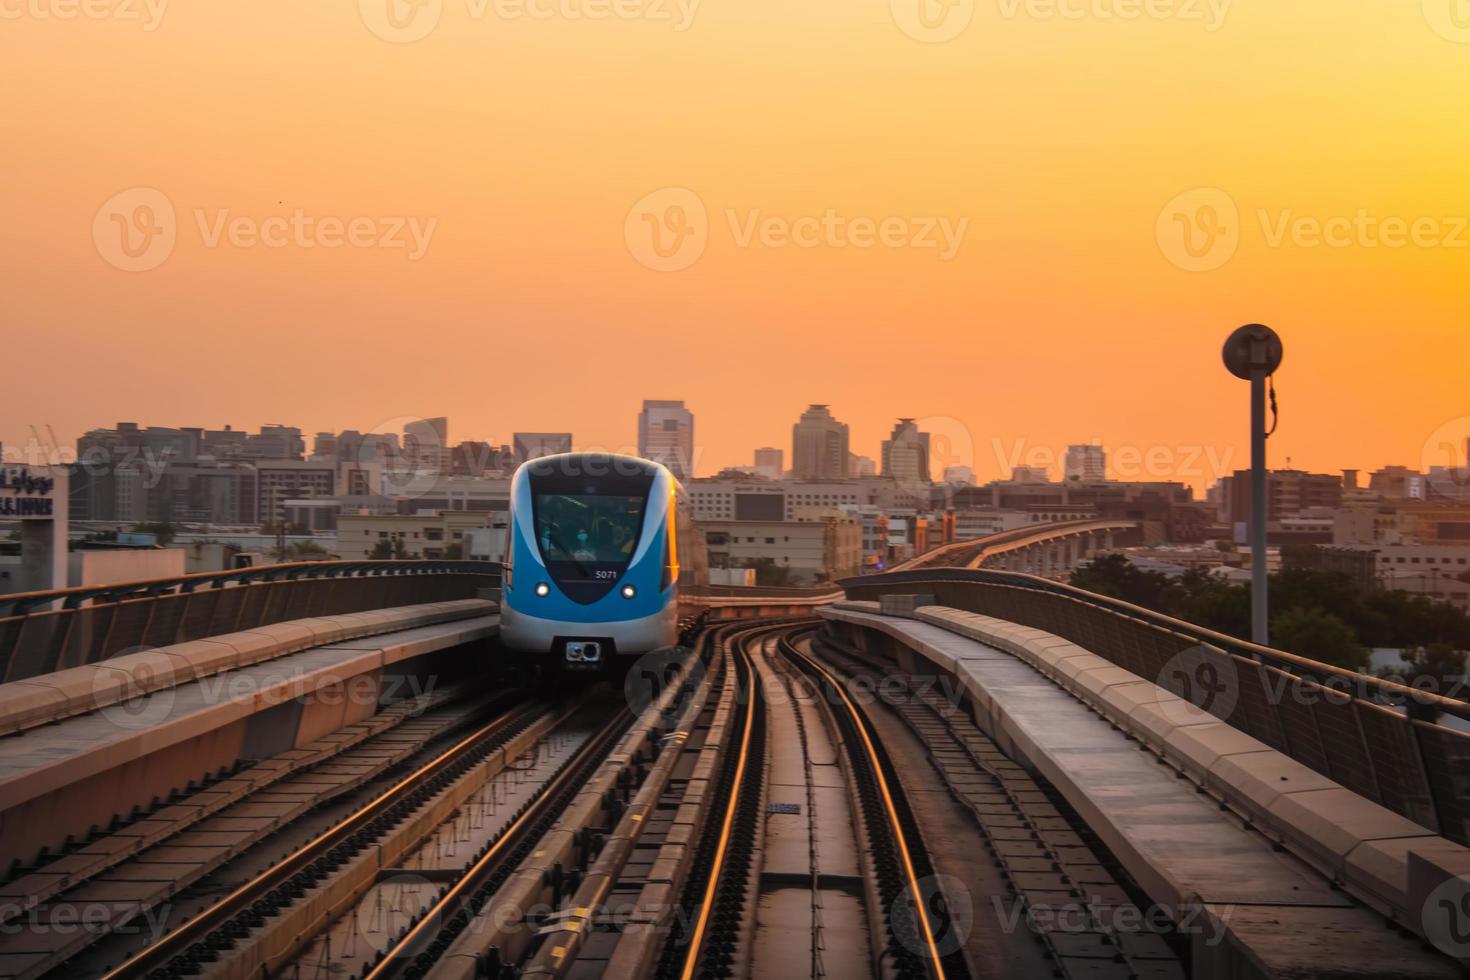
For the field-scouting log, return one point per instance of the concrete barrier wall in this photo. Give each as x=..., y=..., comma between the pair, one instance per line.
x=1360, y=846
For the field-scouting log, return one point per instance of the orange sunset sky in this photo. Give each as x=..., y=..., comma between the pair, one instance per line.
x=537, y=146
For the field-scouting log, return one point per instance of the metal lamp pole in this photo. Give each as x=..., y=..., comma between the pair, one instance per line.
x=1253, y=353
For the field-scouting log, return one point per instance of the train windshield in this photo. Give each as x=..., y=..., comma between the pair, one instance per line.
x=596, y=532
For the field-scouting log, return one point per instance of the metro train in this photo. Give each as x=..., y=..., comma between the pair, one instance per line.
x=593, y=559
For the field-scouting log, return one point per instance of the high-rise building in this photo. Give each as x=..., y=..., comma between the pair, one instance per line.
x=534, y=445
x=770, y=462
x=819, y=446
x=959, y=476
x=1288, y=494
x=861, y=466
x=426, y=440
x=276, y=442
x=666, y=435
x=1085, y=464
x=906, y=453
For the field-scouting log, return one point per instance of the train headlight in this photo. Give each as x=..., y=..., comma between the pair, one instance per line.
x=543, y=590
x=629, y=592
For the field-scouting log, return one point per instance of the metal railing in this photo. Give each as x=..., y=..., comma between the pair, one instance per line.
x=1373, y=736
x=42, y=632
x=963, y=554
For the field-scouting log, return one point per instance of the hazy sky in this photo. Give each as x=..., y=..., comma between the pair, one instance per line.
x=1028, y=223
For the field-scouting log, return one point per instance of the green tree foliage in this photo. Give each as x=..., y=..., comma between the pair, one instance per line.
x=163, y=531
x=768, y=573
x=1318, y=635
x=1437, y=668
x=387, y=548
x=1319, y=614
x=300, y=551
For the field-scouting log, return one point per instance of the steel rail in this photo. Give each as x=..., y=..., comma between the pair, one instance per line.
x=179, y=940
x=876, y=763
x=456, y=906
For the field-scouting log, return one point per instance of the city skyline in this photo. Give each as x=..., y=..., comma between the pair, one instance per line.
x=991, y=455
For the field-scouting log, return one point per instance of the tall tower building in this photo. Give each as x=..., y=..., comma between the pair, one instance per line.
x=666, y=435
x=819, y=446
x=906, y=453
x=770, y=461
x=1085, y=464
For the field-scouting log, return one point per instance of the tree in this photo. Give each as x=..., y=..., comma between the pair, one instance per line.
x=388, y=548
x=1114, y=575
x=162, y=530
x=454, y=551
x=768, y=573
x=300, y=551
x=1437, y=668
x=1319, y=636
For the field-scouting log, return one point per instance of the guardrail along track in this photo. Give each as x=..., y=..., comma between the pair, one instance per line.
x=42, y=632
x=1344, y=725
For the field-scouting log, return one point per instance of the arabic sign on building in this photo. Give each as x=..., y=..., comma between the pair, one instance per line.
x=27, y=494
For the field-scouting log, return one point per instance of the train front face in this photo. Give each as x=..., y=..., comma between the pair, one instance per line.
x=591, y=563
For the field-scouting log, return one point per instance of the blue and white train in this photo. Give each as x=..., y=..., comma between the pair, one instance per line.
x=592, y=559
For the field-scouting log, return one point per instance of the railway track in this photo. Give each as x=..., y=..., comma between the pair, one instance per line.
x=131, y=879
x=1071, y=893
x=742, y=816
x=254, y=922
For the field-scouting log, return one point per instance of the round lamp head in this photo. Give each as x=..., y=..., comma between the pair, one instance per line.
x=1253, y=351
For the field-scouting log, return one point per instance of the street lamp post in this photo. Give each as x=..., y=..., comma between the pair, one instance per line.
x=1253, y=353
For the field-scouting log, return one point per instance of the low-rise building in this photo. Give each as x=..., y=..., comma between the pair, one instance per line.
x=432, y=534
x=809, y=551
